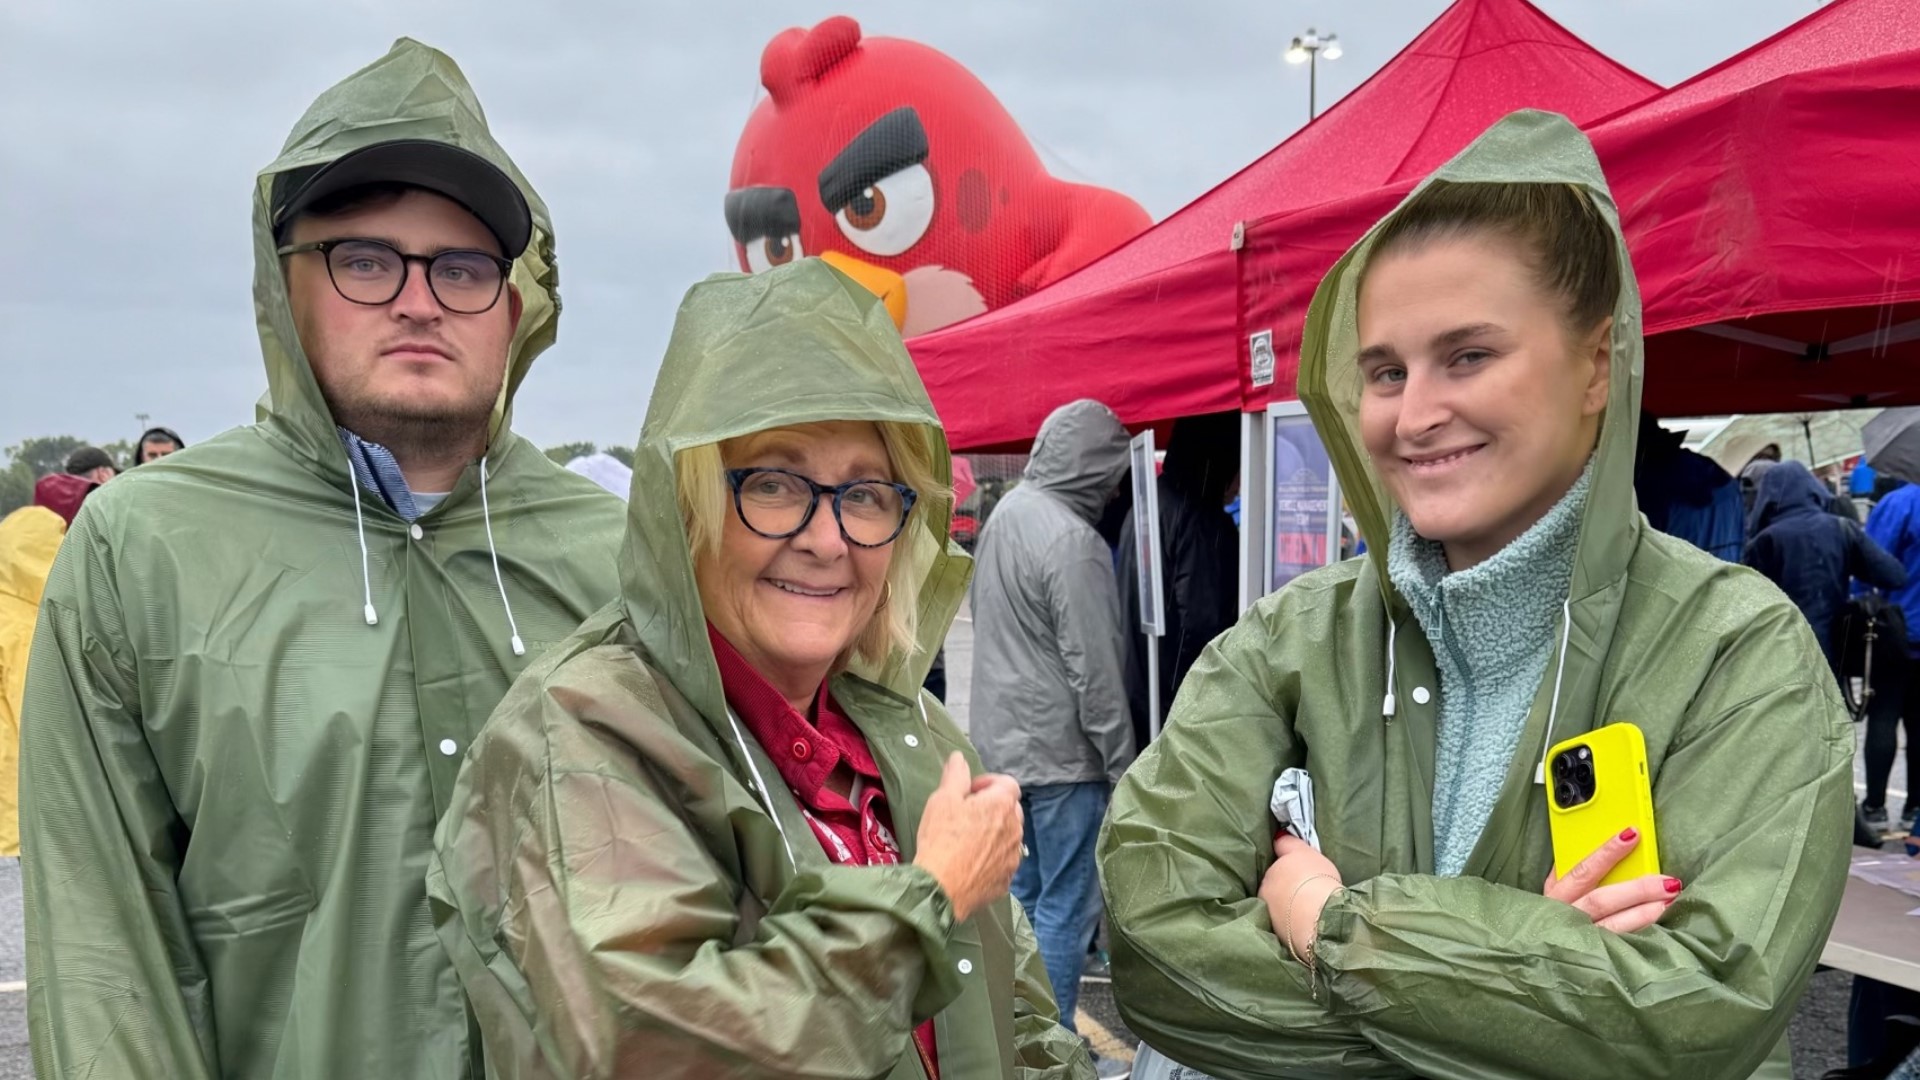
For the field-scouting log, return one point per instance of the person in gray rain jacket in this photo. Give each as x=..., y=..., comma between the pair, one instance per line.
x=1049, y=694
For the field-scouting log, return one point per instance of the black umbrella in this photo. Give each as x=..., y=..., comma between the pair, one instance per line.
x=1892, y=443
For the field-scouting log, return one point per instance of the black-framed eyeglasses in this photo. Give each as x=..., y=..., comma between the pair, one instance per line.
x=373, y=272
x=777, y=504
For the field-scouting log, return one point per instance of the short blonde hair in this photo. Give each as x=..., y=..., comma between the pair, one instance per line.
x=705, y=502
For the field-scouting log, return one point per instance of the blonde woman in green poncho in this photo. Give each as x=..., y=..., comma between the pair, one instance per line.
x=721, y=832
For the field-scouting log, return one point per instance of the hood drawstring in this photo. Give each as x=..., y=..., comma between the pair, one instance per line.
x=759, y=786
x=1559, y=673
x=1387, y=706
x=1559, y=677
x=360, y=530
x=486, y=516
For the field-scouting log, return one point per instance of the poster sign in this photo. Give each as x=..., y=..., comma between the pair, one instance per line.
x=1146, y=534
x=1305, y=515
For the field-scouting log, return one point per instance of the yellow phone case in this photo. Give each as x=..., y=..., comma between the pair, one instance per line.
x=1612, y=763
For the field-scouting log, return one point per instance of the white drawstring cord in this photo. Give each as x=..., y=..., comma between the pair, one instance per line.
x=1387, y=706
x=1560, y=673
x=760, y=784
x=360, y=529
x=486, y=515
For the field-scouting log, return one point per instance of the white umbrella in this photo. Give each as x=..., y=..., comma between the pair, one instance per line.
x=1814, y=438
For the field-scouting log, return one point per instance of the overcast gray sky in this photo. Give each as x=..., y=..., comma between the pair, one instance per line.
x=130, y=130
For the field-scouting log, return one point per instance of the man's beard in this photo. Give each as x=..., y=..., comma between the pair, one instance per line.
x=418, y=430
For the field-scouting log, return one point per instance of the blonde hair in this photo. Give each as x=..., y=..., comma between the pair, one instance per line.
x=705, y=501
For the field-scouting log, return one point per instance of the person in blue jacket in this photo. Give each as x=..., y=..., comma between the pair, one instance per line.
x=1894, y=524
x=1812, y=553
x=1686, y=495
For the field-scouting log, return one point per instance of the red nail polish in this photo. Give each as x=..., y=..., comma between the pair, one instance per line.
x=1629, y=836
x=1673, y=884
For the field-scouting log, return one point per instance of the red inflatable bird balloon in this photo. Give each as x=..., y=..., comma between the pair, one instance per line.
x=892, y=162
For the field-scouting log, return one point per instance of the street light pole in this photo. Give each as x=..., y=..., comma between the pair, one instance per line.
x=1306, y=49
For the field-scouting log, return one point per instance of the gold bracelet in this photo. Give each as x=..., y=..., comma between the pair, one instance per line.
x=1312, y=950
x=1286, y=919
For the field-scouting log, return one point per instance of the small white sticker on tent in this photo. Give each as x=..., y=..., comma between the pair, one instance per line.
x=1260, y=348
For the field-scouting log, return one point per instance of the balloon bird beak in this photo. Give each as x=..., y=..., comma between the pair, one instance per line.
x=890, y=287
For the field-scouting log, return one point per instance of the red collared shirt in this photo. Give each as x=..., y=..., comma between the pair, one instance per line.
x=854, y=829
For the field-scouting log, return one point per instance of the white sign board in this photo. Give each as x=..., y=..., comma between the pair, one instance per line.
x=1146, y=535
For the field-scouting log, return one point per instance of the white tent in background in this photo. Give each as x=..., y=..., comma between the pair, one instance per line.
x=605, y=470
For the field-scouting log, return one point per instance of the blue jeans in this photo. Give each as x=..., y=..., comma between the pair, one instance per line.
x=1056, y=883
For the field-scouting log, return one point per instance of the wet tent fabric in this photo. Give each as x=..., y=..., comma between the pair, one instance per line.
x=1769, y=205
x=1154, y=326
x=1768, y=208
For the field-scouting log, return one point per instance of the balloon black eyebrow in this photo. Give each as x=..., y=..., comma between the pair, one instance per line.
x=756, y=212
x=891, y=143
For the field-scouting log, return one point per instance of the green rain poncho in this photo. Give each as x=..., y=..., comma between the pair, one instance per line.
x=230, y=779
x=615, y=893
x=1479, y=976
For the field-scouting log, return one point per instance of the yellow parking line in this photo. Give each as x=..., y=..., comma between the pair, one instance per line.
x=1105, y=1043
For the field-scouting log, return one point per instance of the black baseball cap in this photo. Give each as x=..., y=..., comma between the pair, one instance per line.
x=88, y=458
x=459, y=174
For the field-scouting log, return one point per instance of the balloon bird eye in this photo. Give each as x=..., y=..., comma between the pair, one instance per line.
x=766, y=252
x=867, y=209
x=890, y=215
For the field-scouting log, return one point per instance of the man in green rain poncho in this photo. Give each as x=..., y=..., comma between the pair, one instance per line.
x=261, y=660
x=1474, y=368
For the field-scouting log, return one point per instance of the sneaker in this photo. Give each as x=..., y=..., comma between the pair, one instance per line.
x=1107, y=1068
x=1906, y=820
x=1097, y=969
x=1876, y=818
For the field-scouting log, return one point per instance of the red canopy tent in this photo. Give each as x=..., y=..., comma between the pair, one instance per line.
x=1154, y=328
x=1772, y=208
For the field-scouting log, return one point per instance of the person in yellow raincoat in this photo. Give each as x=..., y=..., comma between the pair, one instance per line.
x=29, y=539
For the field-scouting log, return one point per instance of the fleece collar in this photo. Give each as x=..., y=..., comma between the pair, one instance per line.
x=1504, y=608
